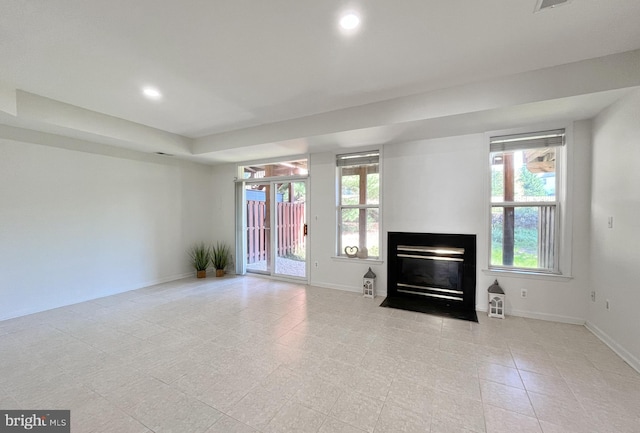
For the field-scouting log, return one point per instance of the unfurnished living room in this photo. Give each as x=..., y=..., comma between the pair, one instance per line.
x=320, y=216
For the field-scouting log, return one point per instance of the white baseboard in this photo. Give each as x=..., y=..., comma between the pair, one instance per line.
x=26, y=312
x=613, y=345
x=334, y=286
x=545, y=316
x=165, y=280
x=343, y=288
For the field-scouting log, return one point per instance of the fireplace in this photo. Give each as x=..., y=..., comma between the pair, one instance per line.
x=432, y=273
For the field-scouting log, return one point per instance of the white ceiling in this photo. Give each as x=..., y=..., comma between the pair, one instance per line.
x=229, y=69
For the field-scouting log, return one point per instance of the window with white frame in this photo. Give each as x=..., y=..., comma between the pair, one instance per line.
x=525, y=201
x=359, y=204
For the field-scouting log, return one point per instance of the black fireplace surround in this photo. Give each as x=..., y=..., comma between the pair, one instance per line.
x=432, y=273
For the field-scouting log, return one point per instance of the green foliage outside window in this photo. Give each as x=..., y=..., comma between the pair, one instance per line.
x=350, y=195
x=526, y=235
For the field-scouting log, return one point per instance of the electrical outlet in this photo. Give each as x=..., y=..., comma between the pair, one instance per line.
x=315, y=264
x=593, y=296
x=523, y=293
x=606, y=305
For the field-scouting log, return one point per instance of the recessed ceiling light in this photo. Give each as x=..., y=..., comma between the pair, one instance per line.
x=349, y=21
x=152, y=93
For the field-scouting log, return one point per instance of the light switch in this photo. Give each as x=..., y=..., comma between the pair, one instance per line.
x=610, y=222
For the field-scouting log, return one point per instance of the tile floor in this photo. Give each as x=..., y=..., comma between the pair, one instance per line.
x=244, y=354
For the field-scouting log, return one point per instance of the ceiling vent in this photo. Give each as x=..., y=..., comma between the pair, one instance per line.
x=549, y=4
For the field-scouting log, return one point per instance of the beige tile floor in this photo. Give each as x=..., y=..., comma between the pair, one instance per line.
x=244, y=354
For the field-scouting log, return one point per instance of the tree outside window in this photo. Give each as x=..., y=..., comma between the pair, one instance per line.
x=524, y=203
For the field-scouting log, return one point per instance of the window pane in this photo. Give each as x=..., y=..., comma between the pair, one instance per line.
x=497, y=177
x=359, y=232
x=523, y=236
x=524, y=175
x=360, y=185
x=349, y=231
x=497, y=233
x=373, y=188
x=350, y=188
x=373, y=239
x=278, y=169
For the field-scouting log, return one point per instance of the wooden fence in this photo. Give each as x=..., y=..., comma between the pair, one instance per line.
x=290, y=229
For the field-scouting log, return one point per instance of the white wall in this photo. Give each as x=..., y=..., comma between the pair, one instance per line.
x=615, y=252
x=76, y=226
x=343, y=274
x=439, y=186
x=223, y=201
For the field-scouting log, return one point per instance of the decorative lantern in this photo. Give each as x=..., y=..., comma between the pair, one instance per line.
x=369, y=284
x=496, y=301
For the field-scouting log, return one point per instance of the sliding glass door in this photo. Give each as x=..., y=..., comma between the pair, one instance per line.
x=275, y=228
x=290, y=232
x=258, y=227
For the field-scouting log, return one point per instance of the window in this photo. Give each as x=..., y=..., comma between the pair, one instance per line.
x=298, y=167
x=525, y=201
x=359, y=205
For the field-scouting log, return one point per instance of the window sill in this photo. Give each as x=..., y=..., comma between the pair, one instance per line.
x=357, y=260
x=524, y=274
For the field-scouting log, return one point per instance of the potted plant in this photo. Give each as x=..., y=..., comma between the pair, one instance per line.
x=200, y=257
x=220, y=257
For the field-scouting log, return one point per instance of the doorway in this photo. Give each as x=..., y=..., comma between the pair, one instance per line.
x=275, y=230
